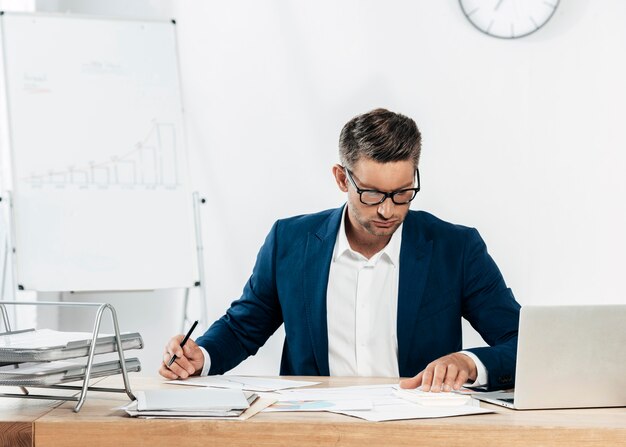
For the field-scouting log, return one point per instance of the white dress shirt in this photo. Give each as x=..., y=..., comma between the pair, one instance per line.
x=362, y=307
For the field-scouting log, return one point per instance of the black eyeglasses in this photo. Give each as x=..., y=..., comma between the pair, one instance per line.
x=374, y=197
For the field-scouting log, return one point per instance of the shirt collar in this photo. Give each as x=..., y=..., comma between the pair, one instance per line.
x=391, y=251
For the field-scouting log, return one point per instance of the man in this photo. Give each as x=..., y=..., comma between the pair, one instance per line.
x=371, y=288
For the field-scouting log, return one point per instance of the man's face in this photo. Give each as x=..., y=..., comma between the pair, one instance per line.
x=385, y=218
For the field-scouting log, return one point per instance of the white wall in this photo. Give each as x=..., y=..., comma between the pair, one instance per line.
x=523, y=139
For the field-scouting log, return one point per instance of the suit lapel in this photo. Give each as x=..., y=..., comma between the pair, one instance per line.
x=415, y=255
x=317, y=258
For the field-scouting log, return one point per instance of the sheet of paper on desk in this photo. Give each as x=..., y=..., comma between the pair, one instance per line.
x=443, y=399
x=319, y=405
x=413, y=411
x=387, y=405
x=369, y=392
x=243, y=383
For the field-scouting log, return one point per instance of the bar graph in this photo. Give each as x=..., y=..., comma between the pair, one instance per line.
x=151, y=162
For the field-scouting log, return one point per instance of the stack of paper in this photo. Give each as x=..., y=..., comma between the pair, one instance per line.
x=443, y=399
x=52, y=373
x=207, y=403
x=47, y=345
x=387, y=402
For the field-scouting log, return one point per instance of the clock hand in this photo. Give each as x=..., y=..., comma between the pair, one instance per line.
x=498, y=5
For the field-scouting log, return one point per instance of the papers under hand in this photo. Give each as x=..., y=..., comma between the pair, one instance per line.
x=443, y=399
x=386, y=404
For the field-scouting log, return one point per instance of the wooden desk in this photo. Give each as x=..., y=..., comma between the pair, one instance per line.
x=17, y=418
x=98, y=424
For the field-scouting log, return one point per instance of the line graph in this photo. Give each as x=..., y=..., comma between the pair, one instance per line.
x=152, y=162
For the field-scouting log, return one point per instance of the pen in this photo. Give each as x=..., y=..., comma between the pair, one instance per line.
x=182, y=344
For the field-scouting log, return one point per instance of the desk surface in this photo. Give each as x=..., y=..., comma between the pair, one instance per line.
x=99, y=424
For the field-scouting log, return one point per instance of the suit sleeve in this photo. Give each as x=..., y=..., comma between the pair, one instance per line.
x=251, y=319
x=491, y=309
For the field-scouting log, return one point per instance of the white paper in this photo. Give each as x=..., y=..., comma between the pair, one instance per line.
x=320, y=405
x=387, y=406
x=443, y=399
x=371, y=392
x=243, y=383
x=239, y=415
x=413, y=411
x=186, y=400
x=41, y=338
x=39, y=368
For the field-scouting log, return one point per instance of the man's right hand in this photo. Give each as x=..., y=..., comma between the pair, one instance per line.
x=189, y=361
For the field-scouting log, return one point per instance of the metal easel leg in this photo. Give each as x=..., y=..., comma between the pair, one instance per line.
x=197, y=201
x=185, y=311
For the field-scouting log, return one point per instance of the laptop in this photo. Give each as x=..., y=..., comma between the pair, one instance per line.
x=568, y=357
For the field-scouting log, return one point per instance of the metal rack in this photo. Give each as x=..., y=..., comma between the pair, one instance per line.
x=80, y=398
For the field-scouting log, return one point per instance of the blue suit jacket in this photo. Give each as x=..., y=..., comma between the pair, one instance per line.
x=445, y=274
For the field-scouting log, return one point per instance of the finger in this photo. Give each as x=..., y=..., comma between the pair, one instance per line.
x=173, y=347
x=184, y=362
x=451, y=374
x=461, y=379
x=413, y=382
x=192, y=352
x=438, y=376
x=165, y=372
x=427, y=378
x=175, y=367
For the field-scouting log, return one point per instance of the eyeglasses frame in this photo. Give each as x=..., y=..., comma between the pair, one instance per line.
x=391, y=195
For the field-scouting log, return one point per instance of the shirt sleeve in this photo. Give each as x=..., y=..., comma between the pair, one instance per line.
x=481, y=370
x=207, y=362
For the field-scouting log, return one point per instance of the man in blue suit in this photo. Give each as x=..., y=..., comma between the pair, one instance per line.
x=371, y=288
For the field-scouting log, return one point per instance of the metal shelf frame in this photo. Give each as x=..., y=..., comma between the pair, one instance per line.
x=80, y=398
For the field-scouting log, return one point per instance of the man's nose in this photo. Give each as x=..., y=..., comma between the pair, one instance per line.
x=385, y=209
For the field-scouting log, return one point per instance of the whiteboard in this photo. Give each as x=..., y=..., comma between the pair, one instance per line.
x=101, y=199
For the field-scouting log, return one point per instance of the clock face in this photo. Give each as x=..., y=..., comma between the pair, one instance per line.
x=508, y=19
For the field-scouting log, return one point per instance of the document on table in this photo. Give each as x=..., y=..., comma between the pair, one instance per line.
x=205, y=403
x=194, y=400
x=387, y=405
x=320, y=405
x=258, y=405
x=245, y=383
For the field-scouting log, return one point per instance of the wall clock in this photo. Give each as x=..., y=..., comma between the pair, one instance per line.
x=508, y=19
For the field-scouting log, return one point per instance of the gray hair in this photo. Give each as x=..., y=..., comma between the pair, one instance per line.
x=380, y=135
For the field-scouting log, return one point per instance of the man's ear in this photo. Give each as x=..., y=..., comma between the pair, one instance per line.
x=340, y=177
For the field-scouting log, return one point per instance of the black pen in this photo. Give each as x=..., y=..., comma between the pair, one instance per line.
x=182, y=344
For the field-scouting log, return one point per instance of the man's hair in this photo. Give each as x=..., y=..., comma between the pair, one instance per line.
x=380, y=135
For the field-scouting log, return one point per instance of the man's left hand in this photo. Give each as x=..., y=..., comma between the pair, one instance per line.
x=444, y=374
